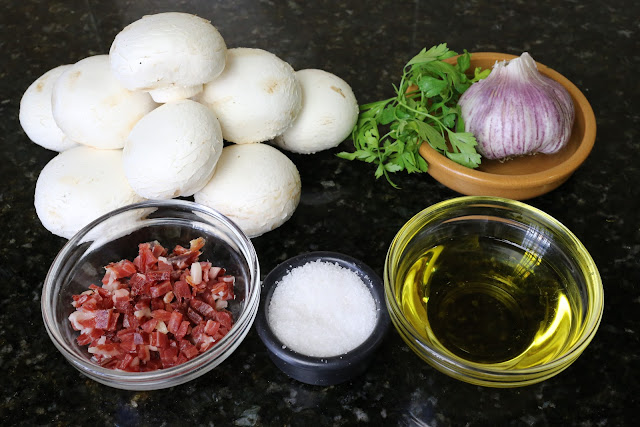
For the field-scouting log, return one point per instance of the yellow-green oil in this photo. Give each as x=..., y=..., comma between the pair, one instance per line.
x=491, y=302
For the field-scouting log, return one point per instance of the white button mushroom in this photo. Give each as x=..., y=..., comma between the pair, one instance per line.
x=79, y=185
x=328, y=114
x=173, y=150
x=36, y=116
x=255, y=98
x=93, y=108
x=170, y=54
x=255, y=185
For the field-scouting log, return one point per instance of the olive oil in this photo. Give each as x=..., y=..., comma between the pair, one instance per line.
x=490, y=301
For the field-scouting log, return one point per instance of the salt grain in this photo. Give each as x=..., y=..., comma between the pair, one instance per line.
x=322, y=309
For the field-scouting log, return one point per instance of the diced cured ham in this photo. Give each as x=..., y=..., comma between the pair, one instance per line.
x=139, y=285
x=223, y=289
x=154, y=312
x=202, y=307
x=169, y=356
x=182, y=289
x=168, y=297
x=157, y=249
x=162, y=315
x=189, y=350
x=173, y=324
x=158, y=275
x=107, y=319
x=88, y=337
x=215, y=272
x=211, y=327
x=80, y=318
x=149, y=325
x=161, y=289
x=118, y=270
x=225, y=319
x=159, y=340
x=145, y=259
x=129, y=363
x=162, y=327
x=194, y=317
x=183, y=330
x=121, y=301
x=105, y=350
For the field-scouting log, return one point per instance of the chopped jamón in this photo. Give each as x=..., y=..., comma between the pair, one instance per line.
x=150, y=313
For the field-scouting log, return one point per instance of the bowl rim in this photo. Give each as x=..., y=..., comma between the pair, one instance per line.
x=542, y=178
x=322, y=364
x=193, y=367
x=459, y=366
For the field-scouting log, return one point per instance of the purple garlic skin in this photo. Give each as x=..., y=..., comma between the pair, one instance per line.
x=516, y=111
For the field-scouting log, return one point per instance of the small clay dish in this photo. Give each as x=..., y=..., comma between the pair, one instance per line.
x=323, y=370
x=522, y=177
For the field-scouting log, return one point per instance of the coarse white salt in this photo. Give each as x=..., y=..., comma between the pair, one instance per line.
x=322, y=309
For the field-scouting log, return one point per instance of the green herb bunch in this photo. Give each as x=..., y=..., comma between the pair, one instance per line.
x=425, y=108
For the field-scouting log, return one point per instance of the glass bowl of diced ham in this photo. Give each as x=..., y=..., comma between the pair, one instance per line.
x=152, y=295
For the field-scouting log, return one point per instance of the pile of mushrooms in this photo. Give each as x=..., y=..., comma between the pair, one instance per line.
x=150, y=120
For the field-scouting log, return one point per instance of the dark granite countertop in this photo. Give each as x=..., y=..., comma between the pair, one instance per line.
x=343, y=208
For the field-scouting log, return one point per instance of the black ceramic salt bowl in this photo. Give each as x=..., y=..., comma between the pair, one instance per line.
x=323, y=370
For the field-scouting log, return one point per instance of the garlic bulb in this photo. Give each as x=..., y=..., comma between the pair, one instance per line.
x=516, y=111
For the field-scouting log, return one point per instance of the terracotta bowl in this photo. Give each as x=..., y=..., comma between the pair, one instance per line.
x=526, y=176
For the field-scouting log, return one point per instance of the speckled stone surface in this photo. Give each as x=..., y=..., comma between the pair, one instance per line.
x=592, y=42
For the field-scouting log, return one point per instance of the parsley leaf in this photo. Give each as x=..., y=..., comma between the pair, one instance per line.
x=388, y=133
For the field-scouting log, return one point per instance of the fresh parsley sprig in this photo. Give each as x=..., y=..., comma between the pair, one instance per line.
x=388, y=133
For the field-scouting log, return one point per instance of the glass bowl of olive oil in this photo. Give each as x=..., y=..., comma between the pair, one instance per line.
x=492, y=291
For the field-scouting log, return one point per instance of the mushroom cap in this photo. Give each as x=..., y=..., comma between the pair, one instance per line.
x=167, y=50
x=175, y=93
x=79, y=185
x=173, y=150
x=255, y=185
x=255, y=98
x=93, y=108
x=328, y=114
x=36, y=115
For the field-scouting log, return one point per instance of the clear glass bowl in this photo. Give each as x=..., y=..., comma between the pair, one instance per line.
x=492, y=291
x=116, y=236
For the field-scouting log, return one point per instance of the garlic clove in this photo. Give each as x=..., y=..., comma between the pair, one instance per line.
x=516, y=111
